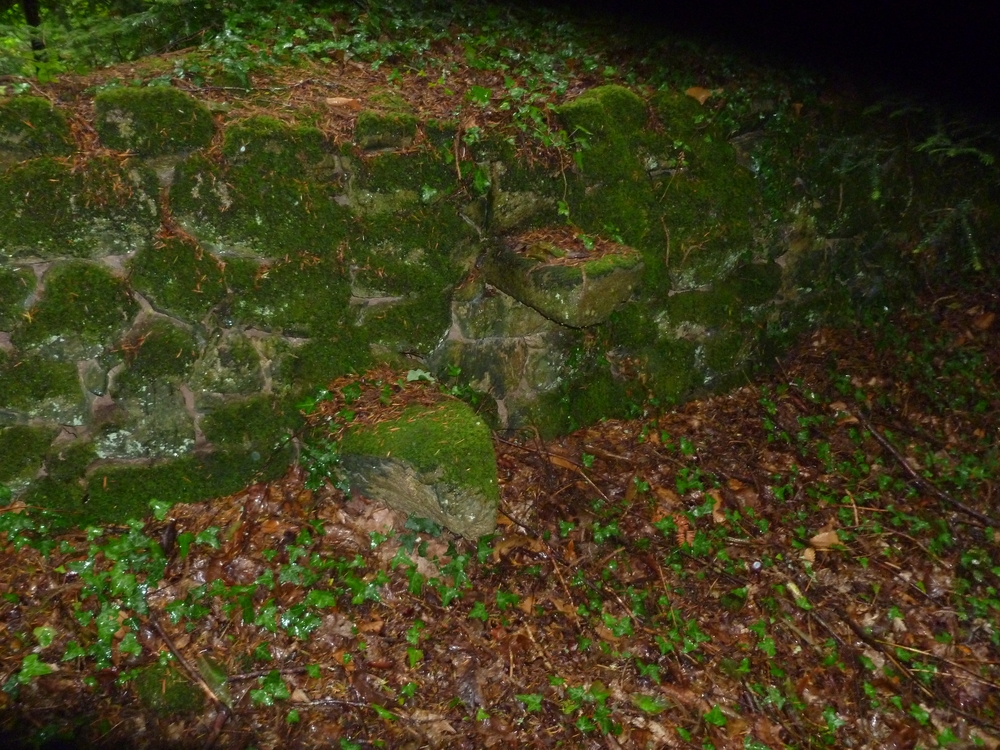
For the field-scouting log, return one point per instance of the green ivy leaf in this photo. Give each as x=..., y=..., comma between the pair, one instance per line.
x=651, y=704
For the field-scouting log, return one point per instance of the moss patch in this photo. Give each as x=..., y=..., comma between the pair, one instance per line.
x=81, y=298
x=15, y=286
x=28, y=382
x=21, y=451
x=166, y=692
x=260, y=423
x=157, y=350
x=30, y=126
x=117, y=493
x=374, y=130
x=179, y=278
x=449, y=437
x=152, y=121
x=48, y=211
x=302, y=295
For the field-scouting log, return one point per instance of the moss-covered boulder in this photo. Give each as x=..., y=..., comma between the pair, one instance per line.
x=432, y=462
x=153, y=121
x=30, y=126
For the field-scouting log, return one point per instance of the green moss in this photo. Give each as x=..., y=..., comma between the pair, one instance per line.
x=67, y=462
x=166, y=692
x=754, y=283
x=152, y=121
x=300, y=295
x=275, y=195
x=230, y=364
x=708, y=309
x=179, y=278
x=68, y=501
x=36, y=208
x=269, y=149
x=200, y=197
x=413, y=326
x=261, y=423
x=424, y=252
x=603, y=112
x=22, y=449
x=30, y=126
x=373, y=130
x=620, y=210
x=26, y=382
x=79, y=298
x=156, y=351
x=329, y=355
x=15, y=286
x=117, y=493
x=425, y=173
x=623, y=259
x=449, y=437
x=679, y=114
x=48, y=211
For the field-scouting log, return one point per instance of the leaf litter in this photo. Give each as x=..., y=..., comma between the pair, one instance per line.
x=752, y=570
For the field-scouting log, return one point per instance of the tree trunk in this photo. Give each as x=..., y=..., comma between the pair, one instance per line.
x=33, y=16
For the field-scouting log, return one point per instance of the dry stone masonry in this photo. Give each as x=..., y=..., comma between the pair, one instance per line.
x=166, y=302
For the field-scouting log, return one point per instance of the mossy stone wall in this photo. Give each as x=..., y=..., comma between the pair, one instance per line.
x=164, y=307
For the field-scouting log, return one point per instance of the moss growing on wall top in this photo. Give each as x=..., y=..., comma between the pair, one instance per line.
x=268, y=149
x=82, y=299
x=373, y=130
x=152, y=121
x=30, y=126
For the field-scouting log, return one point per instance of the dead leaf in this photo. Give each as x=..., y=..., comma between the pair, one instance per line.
x=809, y=554
x=717, y=515
x=516, y=541
x=299, y=696
x=372, y=626
x=825, y=540
x=563, y=463
x=984, y=321
x=700, y=94
x=344, y=102
x=667, y=496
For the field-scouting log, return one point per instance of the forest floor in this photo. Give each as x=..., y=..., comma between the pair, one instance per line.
x=808, y=561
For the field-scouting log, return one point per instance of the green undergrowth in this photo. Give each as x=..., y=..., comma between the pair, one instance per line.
x=649, y=597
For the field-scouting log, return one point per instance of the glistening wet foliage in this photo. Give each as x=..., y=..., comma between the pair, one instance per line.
x=809, y=561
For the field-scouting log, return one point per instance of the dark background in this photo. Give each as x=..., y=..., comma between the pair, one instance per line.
x=944, y=51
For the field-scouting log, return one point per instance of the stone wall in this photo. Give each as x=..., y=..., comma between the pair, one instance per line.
x=166, y=301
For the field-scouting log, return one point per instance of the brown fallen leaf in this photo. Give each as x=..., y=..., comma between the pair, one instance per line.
x=700, y=94
x=984, y=321
x=516, y=541
x=344, y=102
x=717, y=515
x=825, y=540
x=563, y=463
